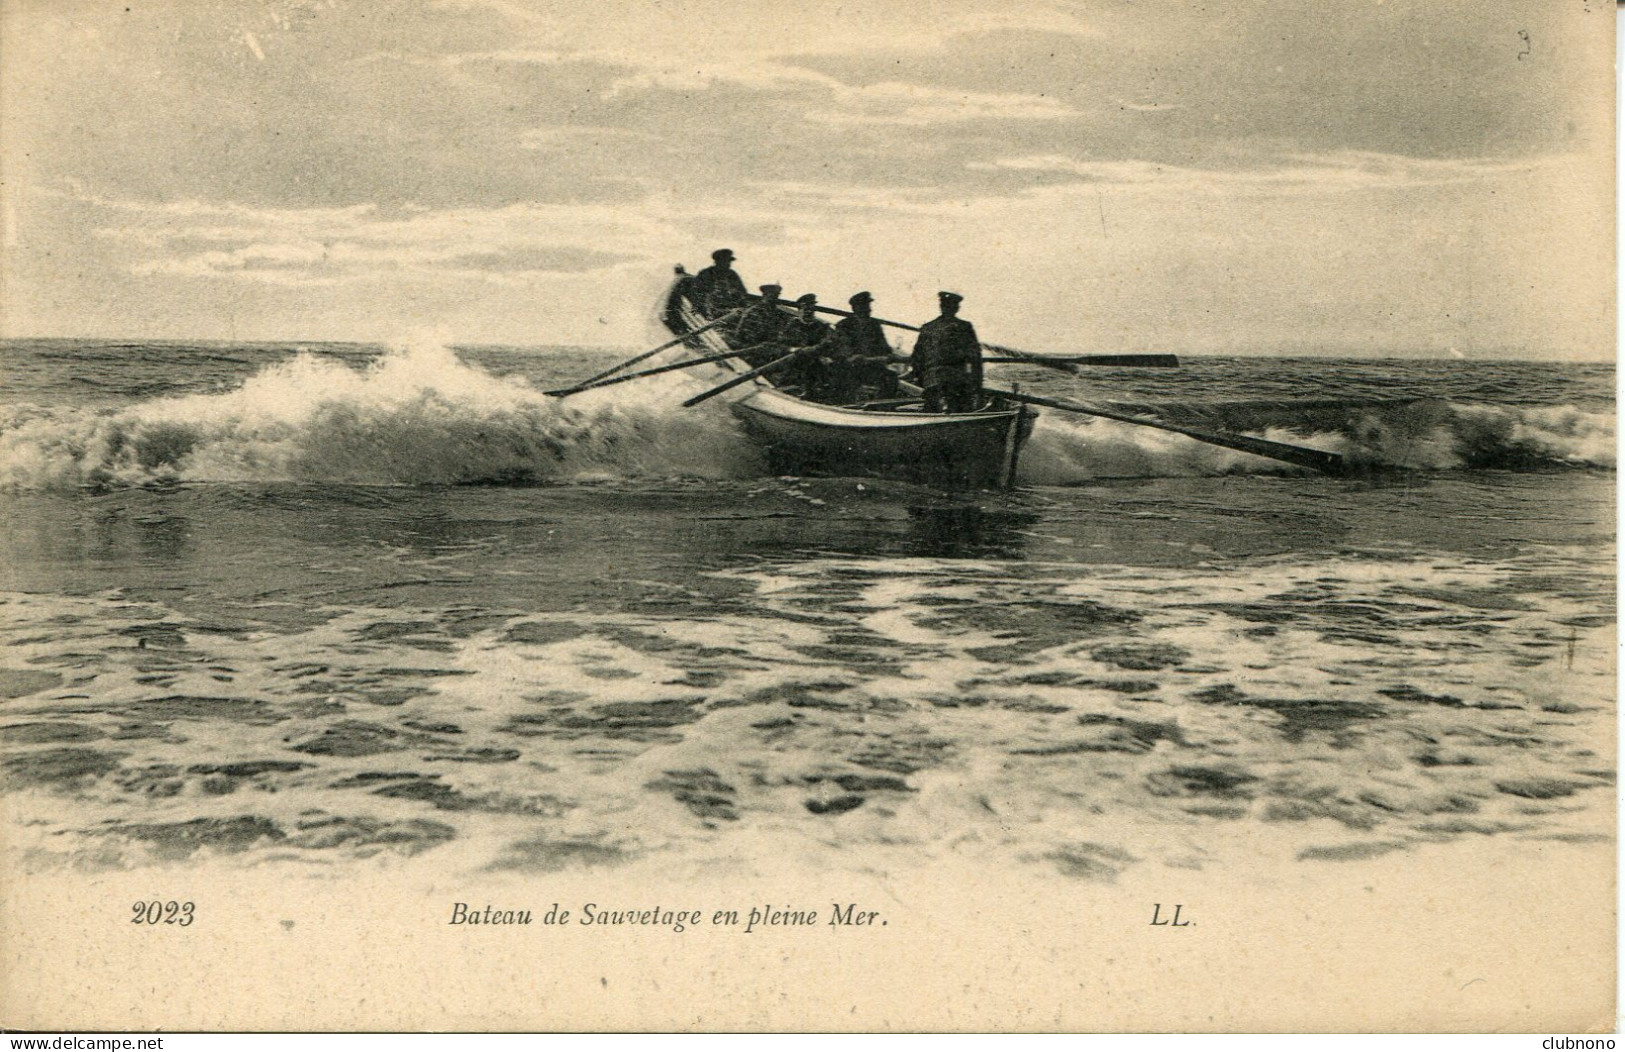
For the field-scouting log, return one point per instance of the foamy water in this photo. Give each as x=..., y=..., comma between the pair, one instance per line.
x=248, y=619
x=422, y=415
x=415, y=416
x=1092, y=721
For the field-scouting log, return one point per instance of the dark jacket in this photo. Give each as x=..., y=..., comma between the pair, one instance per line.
x=798, y=333
x=717, y=290
x=947, y=350
x=857, y=337
x=762, y=323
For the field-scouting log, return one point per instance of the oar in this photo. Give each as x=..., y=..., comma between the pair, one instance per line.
x=1053, y=363
x=1319, y=460
x=1140, y=361
x=742, y=377
x=650, y=354
x=565, y=392
x=1065, y=363
x=1037, y=359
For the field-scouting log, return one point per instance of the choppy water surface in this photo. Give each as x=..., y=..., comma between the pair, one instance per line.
x=250, y=615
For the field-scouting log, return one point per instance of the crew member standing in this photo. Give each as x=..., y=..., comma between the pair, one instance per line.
x=948, y=360
x=860, y=355
x=719, y=288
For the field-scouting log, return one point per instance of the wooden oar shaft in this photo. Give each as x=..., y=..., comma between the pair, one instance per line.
x=742, y=377
x=583, y=385
x=1066, y=363
x=1036, y=359
x=1303, y=456
x=565, y=392
x=820, y=308
x=1010, y=351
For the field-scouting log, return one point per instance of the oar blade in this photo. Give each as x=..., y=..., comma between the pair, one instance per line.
x=1302, y=456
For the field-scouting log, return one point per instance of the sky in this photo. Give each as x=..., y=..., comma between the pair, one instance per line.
x=1368, y=177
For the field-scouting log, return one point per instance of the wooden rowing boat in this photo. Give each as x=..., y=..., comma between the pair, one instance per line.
x=894, y=439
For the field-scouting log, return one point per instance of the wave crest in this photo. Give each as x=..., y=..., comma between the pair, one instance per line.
x=421, y=416
x=417, y=416
x=1417, y=434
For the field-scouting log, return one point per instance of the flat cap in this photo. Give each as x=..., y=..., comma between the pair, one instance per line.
x=950, y=297
x=860, y=297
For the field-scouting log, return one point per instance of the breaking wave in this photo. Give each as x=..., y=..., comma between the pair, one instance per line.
x=417, y=416
x=1418, y=434
x=421, y=416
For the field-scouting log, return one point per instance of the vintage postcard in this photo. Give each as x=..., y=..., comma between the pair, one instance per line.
x=1033, y=516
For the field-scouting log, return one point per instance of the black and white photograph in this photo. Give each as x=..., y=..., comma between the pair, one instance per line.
x=536, y=515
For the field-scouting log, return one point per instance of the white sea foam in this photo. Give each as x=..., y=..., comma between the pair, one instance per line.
x=416, y=416
x=1085, y=719
x=1066, y=450
x=419, y=415
x=1436, y=435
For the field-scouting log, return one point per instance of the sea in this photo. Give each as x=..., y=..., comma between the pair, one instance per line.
x=346, y=608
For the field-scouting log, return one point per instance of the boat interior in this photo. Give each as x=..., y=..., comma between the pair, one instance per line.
x=683, y=315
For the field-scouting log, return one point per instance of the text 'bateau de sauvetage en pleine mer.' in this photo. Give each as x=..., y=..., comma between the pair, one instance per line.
x=678, y=921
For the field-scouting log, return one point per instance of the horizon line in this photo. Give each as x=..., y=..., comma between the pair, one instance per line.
x=1384, y=354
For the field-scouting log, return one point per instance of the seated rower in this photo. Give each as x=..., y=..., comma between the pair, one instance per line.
x=860, y=355
x=806, y=330
x=760, y=329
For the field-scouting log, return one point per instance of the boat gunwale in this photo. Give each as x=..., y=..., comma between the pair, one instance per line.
x=864, y=419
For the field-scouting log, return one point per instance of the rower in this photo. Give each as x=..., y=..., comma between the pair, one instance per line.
x=719, y=288
x=760, y=329
x=948, y=360
x=806, y=329
x=861, y=353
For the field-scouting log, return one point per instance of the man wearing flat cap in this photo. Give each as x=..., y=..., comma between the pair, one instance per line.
x=806, y=329
x=719, y=288
x=760, y=333
x=859, y=352
x=948, y=360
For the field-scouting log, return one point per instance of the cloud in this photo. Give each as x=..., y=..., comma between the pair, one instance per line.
x=1285, y=173
x=323, y=246
x=662, y=74
x=460, y=155
x=747, y=31
x=1037, y=19
x=577, y=136
x=338, y=262
x=1149, y=107
x=506, y=9
x=775, y=72
x=914, y=105
x=823, y=200
x=830, y=101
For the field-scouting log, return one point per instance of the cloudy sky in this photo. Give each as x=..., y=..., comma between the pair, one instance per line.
x=1366, y=176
